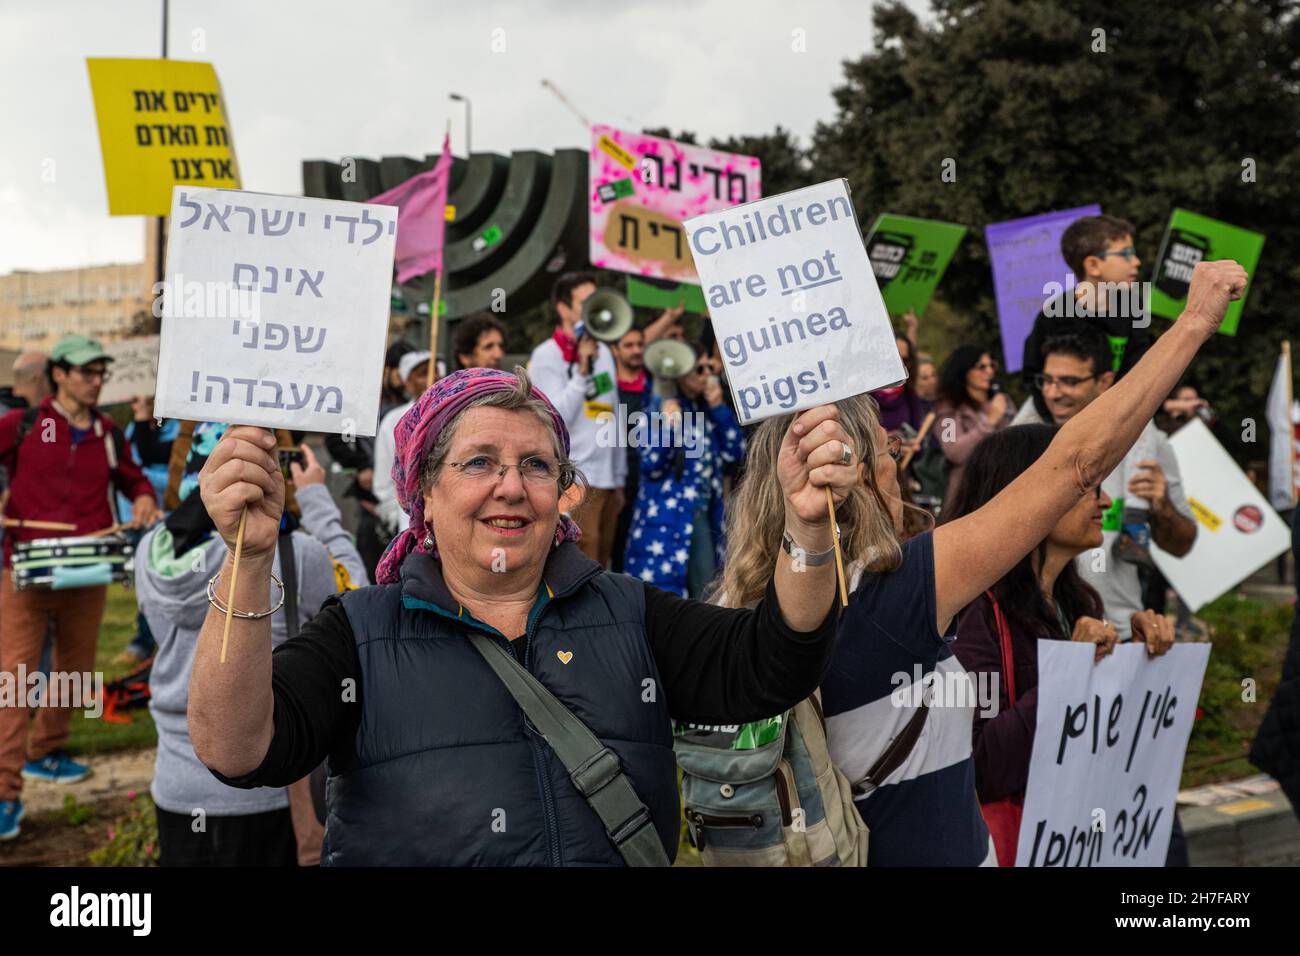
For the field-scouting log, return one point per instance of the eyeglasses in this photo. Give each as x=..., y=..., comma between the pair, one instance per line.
x=101, y=373
x=989, y=366
x=1063, y=381
x=535, y=469
x=1128, y=252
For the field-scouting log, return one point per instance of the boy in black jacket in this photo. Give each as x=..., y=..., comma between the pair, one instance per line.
x=1100, y=252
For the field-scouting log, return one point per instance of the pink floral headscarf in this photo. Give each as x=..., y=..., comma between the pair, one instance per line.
x=416, y=434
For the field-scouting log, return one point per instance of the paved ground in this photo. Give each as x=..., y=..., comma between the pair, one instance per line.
x=1247, y=822
x=113, y=775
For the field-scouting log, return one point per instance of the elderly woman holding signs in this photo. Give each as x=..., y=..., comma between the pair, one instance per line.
x=498, y=698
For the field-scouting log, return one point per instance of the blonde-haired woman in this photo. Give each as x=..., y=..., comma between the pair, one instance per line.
x=897, y=631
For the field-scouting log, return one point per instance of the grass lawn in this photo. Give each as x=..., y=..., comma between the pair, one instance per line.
x=94, y=735
x=1250, y=640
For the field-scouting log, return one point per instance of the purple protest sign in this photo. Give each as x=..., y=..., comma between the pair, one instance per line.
x=1026, y=256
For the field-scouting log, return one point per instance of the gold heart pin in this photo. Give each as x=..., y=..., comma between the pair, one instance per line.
x=564, y=656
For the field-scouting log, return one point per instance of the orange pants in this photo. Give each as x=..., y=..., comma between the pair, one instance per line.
x=597, y=516
x=24, y=617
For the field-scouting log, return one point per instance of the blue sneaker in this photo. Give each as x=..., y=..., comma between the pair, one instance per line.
x=11, y=812
x=56, y=767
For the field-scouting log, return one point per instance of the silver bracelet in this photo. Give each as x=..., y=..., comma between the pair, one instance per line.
x=246, y=615
x=811, y=559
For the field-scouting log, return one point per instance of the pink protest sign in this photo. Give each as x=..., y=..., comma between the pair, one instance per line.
x=644, y=187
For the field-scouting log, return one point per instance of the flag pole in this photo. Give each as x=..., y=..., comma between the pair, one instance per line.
x=1290, y=403
x=437, y=290
x=433, y=325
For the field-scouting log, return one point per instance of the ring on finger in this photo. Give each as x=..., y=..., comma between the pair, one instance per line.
x=846, y=454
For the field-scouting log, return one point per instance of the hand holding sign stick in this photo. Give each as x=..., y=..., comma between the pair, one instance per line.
x=243, y=491
x=797, y=312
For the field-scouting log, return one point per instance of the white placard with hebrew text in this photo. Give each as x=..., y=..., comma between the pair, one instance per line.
x=276, y=310
x=135, y=369
x=794, y=301
x=1108, y=753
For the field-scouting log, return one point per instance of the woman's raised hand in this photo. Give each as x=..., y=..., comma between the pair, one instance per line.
x=243, y=471
x=812, y=459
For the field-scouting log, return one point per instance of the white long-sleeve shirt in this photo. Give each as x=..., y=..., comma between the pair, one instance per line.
x=390, y=512
x=603, y=461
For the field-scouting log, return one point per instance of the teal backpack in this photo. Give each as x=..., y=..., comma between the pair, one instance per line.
x=766, y=793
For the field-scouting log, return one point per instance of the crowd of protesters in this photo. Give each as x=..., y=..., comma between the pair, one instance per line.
x=498, y=507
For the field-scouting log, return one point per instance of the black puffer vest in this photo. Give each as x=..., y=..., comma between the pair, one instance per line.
x=447, y=771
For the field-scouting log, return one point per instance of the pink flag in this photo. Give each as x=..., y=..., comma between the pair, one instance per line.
x=421, y=217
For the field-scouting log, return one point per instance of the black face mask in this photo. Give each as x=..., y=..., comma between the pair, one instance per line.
x=191, y=525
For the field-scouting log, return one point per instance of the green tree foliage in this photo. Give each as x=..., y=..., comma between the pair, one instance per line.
x=785, y=164
x=1037, y=117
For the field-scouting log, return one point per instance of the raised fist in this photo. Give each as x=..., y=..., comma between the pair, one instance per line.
x=1214, y=286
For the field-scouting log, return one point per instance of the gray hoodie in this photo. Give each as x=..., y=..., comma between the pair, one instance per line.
x=172, y=595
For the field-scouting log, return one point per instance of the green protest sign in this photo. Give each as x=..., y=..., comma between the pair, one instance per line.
x=665, y=295
x=909, y=257
x=1189, y=238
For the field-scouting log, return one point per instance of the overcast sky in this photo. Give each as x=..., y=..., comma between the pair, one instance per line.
x=327, y=78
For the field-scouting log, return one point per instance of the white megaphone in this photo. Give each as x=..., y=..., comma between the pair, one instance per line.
x=668, y=360
x=606, y=316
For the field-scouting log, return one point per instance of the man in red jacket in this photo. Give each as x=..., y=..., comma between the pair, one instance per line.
x=63, y=462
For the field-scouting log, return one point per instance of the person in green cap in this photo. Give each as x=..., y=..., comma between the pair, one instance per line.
x=61, y=457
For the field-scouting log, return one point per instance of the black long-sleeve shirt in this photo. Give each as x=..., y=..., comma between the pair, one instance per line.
x=1128, y=342
x=718, y=665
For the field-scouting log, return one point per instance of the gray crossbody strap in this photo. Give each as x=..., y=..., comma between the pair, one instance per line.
x=594, y=769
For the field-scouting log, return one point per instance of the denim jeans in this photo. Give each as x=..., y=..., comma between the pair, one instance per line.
x=702, y=563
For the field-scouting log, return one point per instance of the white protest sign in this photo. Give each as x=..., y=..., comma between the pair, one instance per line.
x=1108, y=753
x=276, y=310
x=1237, y=532
x=794, y=301
x=135, y=369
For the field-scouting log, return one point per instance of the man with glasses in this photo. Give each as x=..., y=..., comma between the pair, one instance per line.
x=1146, y=490
x=64, y=458
x=1101, y=253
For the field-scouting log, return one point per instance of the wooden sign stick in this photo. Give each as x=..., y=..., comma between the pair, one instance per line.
x=234, y=579
x=839, y=556
x=920, y=437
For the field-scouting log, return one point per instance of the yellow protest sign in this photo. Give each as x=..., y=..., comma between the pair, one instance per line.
x=162, y=123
